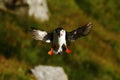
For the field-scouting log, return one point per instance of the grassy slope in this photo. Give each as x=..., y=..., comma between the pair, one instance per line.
x=95, y=57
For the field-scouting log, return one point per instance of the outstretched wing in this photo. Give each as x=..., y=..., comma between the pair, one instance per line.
x=79, y=32
x=41, y=35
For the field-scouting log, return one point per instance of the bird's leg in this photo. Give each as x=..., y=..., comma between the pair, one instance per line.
x=50, y=52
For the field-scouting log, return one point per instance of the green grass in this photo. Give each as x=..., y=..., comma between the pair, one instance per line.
x=94, y=57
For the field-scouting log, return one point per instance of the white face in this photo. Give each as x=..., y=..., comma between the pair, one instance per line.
x=62, y=32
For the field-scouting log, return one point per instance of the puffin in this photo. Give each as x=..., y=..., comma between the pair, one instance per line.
x=59, y=37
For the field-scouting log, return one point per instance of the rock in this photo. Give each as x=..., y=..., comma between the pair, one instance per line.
x=16, y=7
x=38, y=9
x=49, y=73
x=13, y=4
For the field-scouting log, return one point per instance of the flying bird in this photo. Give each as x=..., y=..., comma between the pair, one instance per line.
x=59, y=36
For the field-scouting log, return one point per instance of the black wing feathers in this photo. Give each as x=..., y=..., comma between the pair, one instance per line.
x=79, y=32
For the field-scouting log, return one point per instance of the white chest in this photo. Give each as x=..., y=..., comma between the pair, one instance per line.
x=61, y=41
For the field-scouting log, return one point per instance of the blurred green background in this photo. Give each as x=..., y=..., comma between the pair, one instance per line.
x=94, y=57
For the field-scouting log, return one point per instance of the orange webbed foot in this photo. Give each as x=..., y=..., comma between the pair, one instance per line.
x=50, y=52
x=68, y=51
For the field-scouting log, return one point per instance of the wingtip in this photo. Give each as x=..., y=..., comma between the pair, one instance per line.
x=88, y=28
x=90, y=24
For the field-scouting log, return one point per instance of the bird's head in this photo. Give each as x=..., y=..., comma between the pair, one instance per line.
x=60, y=32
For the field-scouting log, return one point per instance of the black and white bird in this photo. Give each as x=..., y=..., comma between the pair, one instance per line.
x=59, y=37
